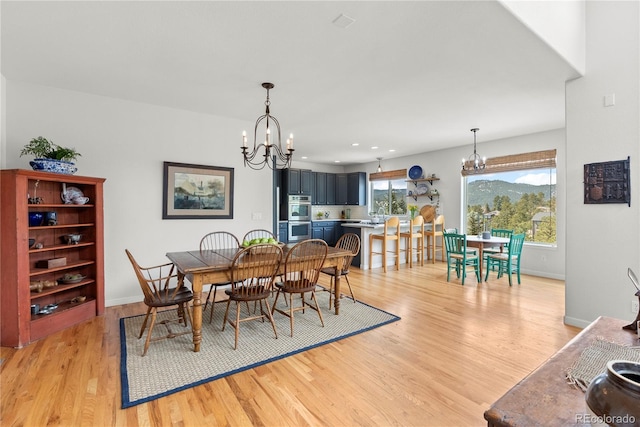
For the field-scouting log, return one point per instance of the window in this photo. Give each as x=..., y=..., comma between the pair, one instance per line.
x=512, y=193
x=388, y=192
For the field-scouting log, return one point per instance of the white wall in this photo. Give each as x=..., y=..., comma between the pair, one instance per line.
x=537, y=260
x=604, y=240
x=127, y=143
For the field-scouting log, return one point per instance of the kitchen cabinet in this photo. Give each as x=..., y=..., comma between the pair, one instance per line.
x=32, y=275
x=357, y=188
x=319, y=195
x=296, y=181
x=341, y=189
x=283, y=232
x=331, y=189
x=325, y=230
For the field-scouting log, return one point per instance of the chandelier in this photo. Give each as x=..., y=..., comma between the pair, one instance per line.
x=267, y=152
x=474, y=163
x=379, y=166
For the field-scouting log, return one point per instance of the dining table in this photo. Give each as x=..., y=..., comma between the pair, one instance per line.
x=480, y=243
x=214, y=266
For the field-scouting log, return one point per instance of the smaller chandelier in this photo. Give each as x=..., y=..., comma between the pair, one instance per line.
x=379, y=165
x=267, y=153
x=474, y=163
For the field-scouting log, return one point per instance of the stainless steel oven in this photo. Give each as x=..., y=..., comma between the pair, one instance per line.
x=299, y=230
x=299, y=208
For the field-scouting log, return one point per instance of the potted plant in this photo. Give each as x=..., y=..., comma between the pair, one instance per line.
x=50, y=157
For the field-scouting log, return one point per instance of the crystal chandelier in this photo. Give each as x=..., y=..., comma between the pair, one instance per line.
x=474, y=163
x=267, y=152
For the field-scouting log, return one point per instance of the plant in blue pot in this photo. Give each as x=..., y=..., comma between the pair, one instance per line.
x=50, y=157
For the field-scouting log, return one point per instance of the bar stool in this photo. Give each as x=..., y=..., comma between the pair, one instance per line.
x=391, y=233
x=416, y=231
x=431, y=236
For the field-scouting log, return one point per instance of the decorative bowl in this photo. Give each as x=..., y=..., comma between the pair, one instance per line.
x=36, y=219
x=72, y=239
x=32, y=242
x=415, y=172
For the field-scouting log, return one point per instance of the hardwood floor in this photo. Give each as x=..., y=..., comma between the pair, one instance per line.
x=456, y=350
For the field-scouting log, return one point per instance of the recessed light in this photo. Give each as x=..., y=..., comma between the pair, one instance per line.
x=355, y=144
x=374, y=148
x=304, y=157
x=336, y=161
x=392, y=150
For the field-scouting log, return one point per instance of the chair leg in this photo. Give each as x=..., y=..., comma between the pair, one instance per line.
x=370, y=251
x=384, y=255
x=148, y=340
x=313, y=296
x=213, y=302
x=144, y=323
x=291, y=312
x=353, y=297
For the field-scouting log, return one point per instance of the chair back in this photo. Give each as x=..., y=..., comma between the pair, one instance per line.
x=219, y=240
x=499, y=232
x=253, y=270
x=349, y=242
x=155, y=282
x=516, y=242
x=455, y=244
x=438, y=224
x=416, y=225
x=302, y=265
x=258, y=234
x=392, y=227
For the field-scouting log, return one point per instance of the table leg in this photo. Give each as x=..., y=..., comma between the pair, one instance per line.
x=336, y=300
x=197, y=312
x=480, y=248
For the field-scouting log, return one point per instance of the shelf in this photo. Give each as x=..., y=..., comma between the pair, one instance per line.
x=76, y=264
x=62, y=306
x=60, y=247
x=416, y=181
x=429, y=195
x=59, y=205
x=60, y=226
x=60, y=288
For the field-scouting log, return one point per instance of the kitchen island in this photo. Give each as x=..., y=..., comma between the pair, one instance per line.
x=364, y=229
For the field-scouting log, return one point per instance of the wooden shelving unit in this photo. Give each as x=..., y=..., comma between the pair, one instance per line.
x=431, y=193
x=76, y=302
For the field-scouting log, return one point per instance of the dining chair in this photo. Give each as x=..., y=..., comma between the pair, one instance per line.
x=302, y=267
x=251, y=275
x=416, y=231
x=509, y=261
x=458, y=257
x=431, y=236
x=156, y=283
x=216, y=241
x=497, y=232
x=349, y=242
x=391, y=233
x=258, y=234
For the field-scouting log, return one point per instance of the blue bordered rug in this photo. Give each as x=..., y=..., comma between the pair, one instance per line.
x=146, y=378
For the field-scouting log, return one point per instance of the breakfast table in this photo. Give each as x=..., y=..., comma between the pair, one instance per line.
x=474, y=241
x=202, y=268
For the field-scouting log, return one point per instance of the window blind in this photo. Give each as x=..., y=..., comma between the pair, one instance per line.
x=514, y=162
x=388, y=175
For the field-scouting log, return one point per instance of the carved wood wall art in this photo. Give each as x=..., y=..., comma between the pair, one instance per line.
x=607, y=182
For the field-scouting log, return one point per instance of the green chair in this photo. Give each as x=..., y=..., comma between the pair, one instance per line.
x=458, y=257
x=507, y=261
x=497, y=232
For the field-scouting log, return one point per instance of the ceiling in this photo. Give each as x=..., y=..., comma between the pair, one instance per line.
x=406, y=76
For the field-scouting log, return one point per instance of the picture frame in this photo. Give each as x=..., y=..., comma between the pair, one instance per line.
x=192, y=191
x=607, y=182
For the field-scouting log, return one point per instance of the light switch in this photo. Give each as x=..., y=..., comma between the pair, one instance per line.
x=610, y=100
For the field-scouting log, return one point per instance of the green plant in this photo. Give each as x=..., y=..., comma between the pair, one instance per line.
x=41, y=148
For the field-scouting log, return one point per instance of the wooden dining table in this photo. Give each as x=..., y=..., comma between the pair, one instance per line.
x=474, y=241
x=202, y=268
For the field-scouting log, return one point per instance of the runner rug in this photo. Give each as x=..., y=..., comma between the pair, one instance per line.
x=153, y=376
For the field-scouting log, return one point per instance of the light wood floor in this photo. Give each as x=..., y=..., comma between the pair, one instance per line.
x=456, y=350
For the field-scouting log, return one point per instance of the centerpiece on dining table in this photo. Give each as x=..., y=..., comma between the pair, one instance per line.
x=261, y=241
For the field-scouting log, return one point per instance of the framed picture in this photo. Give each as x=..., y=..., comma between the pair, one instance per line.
x=607, y=182
x=197, y=192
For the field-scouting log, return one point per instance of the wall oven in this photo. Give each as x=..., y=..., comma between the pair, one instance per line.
x=299, y=208
x=299, y=217
x=299, y=230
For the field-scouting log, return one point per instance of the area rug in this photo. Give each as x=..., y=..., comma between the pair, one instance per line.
x=153, y=376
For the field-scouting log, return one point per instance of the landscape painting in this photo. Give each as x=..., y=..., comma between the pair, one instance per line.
x=197, y=192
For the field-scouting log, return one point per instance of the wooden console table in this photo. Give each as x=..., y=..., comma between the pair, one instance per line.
x=544, y=397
